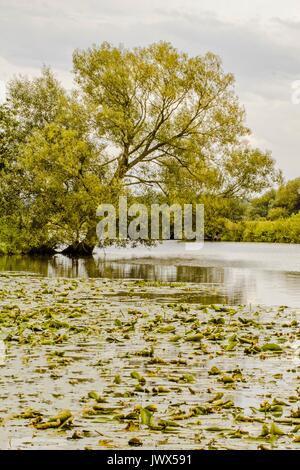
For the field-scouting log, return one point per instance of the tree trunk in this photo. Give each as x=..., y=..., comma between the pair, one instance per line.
x=78, y=250
x=84, y=247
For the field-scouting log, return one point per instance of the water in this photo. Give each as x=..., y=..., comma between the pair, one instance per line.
x=249, y=273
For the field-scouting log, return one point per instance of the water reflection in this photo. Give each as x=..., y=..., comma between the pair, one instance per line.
x=246, y=273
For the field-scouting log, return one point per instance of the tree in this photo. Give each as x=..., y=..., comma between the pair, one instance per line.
x=147, y=121
x=37, y=102
x=288, y=197
x=9, y=137
x=277, y=204
x=62, y=186
x=57, y=164
x=153, y=104
x=260, y=206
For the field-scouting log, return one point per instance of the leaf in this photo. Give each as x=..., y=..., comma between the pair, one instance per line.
x=146, y=416
x=227, y=379
x=276, y=431
x=231, y=346
x=63, y=418
x=218, y=396
x=132, y=427
x=265, y=431
x=175, y=338
x=135, y=442
x=187, y=378
x=167, y=329
x=151, y=408
x=197, y=337
x=29, y=413
x=216, y=429
x=168, y=423
x=137, y=376
x=271, y=347
x=106, y=443
x=214, y=371
x=93, y=394
x=161, y=389
x=296, y=413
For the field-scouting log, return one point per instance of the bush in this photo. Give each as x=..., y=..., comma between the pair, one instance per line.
x=271, y=231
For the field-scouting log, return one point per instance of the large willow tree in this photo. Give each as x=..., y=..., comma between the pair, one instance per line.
x=144, y=121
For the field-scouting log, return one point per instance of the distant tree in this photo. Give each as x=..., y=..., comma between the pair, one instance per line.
x=288, y=197
x=260, y=206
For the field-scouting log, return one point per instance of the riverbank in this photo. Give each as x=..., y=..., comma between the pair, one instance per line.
x=121, y=363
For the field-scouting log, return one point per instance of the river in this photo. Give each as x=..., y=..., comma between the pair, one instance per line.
x=247, y=273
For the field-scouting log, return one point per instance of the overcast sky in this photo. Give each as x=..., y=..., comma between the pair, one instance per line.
x=258, y=40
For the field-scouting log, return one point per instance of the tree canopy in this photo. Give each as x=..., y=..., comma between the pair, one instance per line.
x=149, y=121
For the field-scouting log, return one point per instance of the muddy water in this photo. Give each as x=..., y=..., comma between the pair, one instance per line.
x=215, y=377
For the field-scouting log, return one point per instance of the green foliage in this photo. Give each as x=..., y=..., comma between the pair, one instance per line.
x=260, y=206
x=63, y=176
x=277, y=204
x=217, y=211
x=272, y=231
x=288, y=197
x=151, y=123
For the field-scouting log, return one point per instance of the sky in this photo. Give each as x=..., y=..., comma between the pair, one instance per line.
x=258, y=40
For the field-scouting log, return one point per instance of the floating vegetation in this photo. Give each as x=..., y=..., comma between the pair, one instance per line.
x=118, y=363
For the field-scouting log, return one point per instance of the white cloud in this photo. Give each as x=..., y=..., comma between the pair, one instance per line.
x=259, y=41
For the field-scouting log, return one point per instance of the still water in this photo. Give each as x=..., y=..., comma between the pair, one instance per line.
x=250, y=273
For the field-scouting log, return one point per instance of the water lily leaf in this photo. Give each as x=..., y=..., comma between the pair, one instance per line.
x=135, y=442
x=265, y=430
x=231, y=346
x=93, y=394
x=29, y=413
x=106, y=443
x=216, y=429
x=60, y=420
x=152, y=408
x=161, y=389
x=276, y=431
x=132, y=427
x=214, y=371
x=196, y=337
x=146, y=416
x=277, y=401
x=168, y=423
x=218, y=396
x=227, y=379
x=175, y=338
x=296, y=413
x=217, y=321
x=137, y=376
x=167, y=329
x=271, y=347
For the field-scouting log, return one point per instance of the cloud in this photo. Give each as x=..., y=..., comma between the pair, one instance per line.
x=259, y=44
